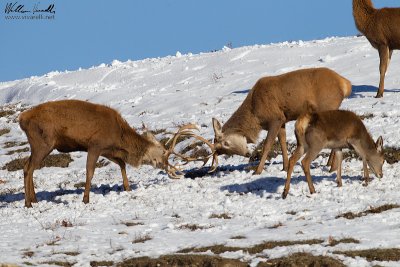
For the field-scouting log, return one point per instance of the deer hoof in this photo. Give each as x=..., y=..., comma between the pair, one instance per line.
x=284, y=194
x=378, y=95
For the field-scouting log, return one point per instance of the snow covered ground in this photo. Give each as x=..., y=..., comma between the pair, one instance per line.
x=163, y=93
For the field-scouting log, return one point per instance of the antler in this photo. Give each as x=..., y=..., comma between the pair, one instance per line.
x=186, y=130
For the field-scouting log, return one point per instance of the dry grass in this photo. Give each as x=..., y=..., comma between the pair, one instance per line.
x=366, y=116
x=101, y=263
x=333, y=242
x=6, y=113
x=59, y=263
x=275, y=226
x=182, y=261
x=61, y=160
x=218, y=249
x=392, y=155
x=220, y=216
x=193, y=227
x=21, y=150
x=4, y=131
x=373, y=210
x=141, y=239
x=302, y=259
x=381, y=254
x=238, y=237
x=102, y=163
x=14, y=144
x=131, y=224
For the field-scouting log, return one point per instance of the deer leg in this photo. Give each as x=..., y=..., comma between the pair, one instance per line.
x=338, y=159
x=90, y=166
x=36, y=158
x=292, y=161
x=366, y=172
x=332, y=162
x=282, y=142
x=310, y=156
x=271, y=136
x=384, y=55
x=122, y=165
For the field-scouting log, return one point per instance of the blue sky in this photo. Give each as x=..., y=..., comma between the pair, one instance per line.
x=87, y=33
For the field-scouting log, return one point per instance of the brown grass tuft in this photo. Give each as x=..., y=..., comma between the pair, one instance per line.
x=350, y=215
x=218, y=249
x=220, y=216
x=302, y=259
x=182, y=261
x=381, y=254
x=61, y=160
x=4, y=131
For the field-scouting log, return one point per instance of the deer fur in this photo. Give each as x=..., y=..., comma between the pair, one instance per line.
x=334, y=129
x=271, y=103
x=73, y=125
x=381, y=28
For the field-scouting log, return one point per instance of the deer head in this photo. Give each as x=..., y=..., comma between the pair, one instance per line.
x=375, y=160
x=155, y=154
x=229, y=144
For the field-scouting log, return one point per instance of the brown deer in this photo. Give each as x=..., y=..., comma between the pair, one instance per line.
x=271, y=103
x=73, y=125
x=334, y=129
x=381, y=28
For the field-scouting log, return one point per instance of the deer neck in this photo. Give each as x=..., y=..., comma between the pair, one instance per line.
x=134, y=145
x=362, y=12
x=243, y=122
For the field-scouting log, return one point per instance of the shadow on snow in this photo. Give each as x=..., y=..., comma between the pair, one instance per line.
x=50, y=196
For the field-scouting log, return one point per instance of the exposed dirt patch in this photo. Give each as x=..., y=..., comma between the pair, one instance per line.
x=4, y=131
x=390, y=254
x=350, y=215
x=218, y=249
x=61, y=160
x=302, y=259
x=182, y=261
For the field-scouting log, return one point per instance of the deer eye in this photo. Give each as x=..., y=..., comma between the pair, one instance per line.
x=226, y=143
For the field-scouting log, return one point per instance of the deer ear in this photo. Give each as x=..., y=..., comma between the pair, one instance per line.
x=379, y=144
x=217, y=127
x=149, y=136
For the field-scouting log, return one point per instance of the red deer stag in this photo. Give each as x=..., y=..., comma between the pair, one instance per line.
x=271, y=103
x=334, y=129
x=73, y=125
x=381, y=27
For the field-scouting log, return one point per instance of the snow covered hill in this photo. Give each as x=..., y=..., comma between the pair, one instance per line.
x=172, y=215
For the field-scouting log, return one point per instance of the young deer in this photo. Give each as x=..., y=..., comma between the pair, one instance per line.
x=381, y=27
x=271, y=103
x=73, y=125
x=335, y=129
